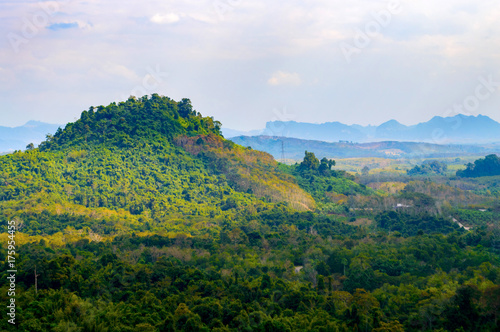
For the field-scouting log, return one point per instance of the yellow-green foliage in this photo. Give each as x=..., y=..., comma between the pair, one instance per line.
x=120, y=189
x=441, y=191
x=388, y=187
x=252, y=171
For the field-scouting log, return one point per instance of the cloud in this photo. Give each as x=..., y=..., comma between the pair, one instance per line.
x=169, y=18
x=284, y=78
x=256, y=58
x=110, y=70
x=62, y=26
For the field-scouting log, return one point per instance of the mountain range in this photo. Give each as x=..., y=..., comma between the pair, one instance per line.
x=293, y=148
x=16, y=138
x=459, y=129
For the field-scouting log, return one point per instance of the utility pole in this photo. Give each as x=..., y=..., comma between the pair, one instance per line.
x=282, y=152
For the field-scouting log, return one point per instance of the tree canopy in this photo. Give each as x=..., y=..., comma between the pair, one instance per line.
x=488, y=166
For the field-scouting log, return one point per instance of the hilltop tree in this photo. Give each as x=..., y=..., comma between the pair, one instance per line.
x=326, y=166
x=318, y=178
x=185, y=108
x=310, y=162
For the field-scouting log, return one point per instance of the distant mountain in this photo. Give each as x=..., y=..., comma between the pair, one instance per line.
x=16, y=138
x=459, y=128
x=293, y=148
x=330, y=131
x=226, y=132
x=450, y=130
x=392, y=129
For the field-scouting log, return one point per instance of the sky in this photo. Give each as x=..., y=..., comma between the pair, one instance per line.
x=246, y=62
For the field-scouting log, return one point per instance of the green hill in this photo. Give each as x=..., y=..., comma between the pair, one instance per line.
x=146, y=164
x=147, y=119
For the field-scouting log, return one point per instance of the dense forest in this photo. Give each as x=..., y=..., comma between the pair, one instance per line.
x=429, y=167
x=140, y=216
x=488, y=166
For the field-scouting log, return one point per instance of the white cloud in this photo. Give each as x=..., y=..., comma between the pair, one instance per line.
x=284, y=78
x=165, y=18
x=114, y=70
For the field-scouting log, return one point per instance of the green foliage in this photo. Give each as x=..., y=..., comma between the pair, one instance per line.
x=429, y=167
x=145, y=184
x=411, y=224
x=321, y=181
x=419, y=201
x=475, y=217
x=84, y=178
x=309, y=163
x=488, y=166
x=123, y=124
x=173, y=284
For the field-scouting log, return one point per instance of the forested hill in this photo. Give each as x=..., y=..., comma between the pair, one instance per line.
x=153, y=119
x=143, y=164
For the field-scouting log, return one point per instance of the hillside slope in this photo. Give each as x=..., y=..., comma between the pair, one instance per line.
x=125, y=166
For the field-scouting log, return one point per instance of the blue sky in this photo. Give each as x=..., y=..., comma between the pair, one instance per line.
x=248, y=62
